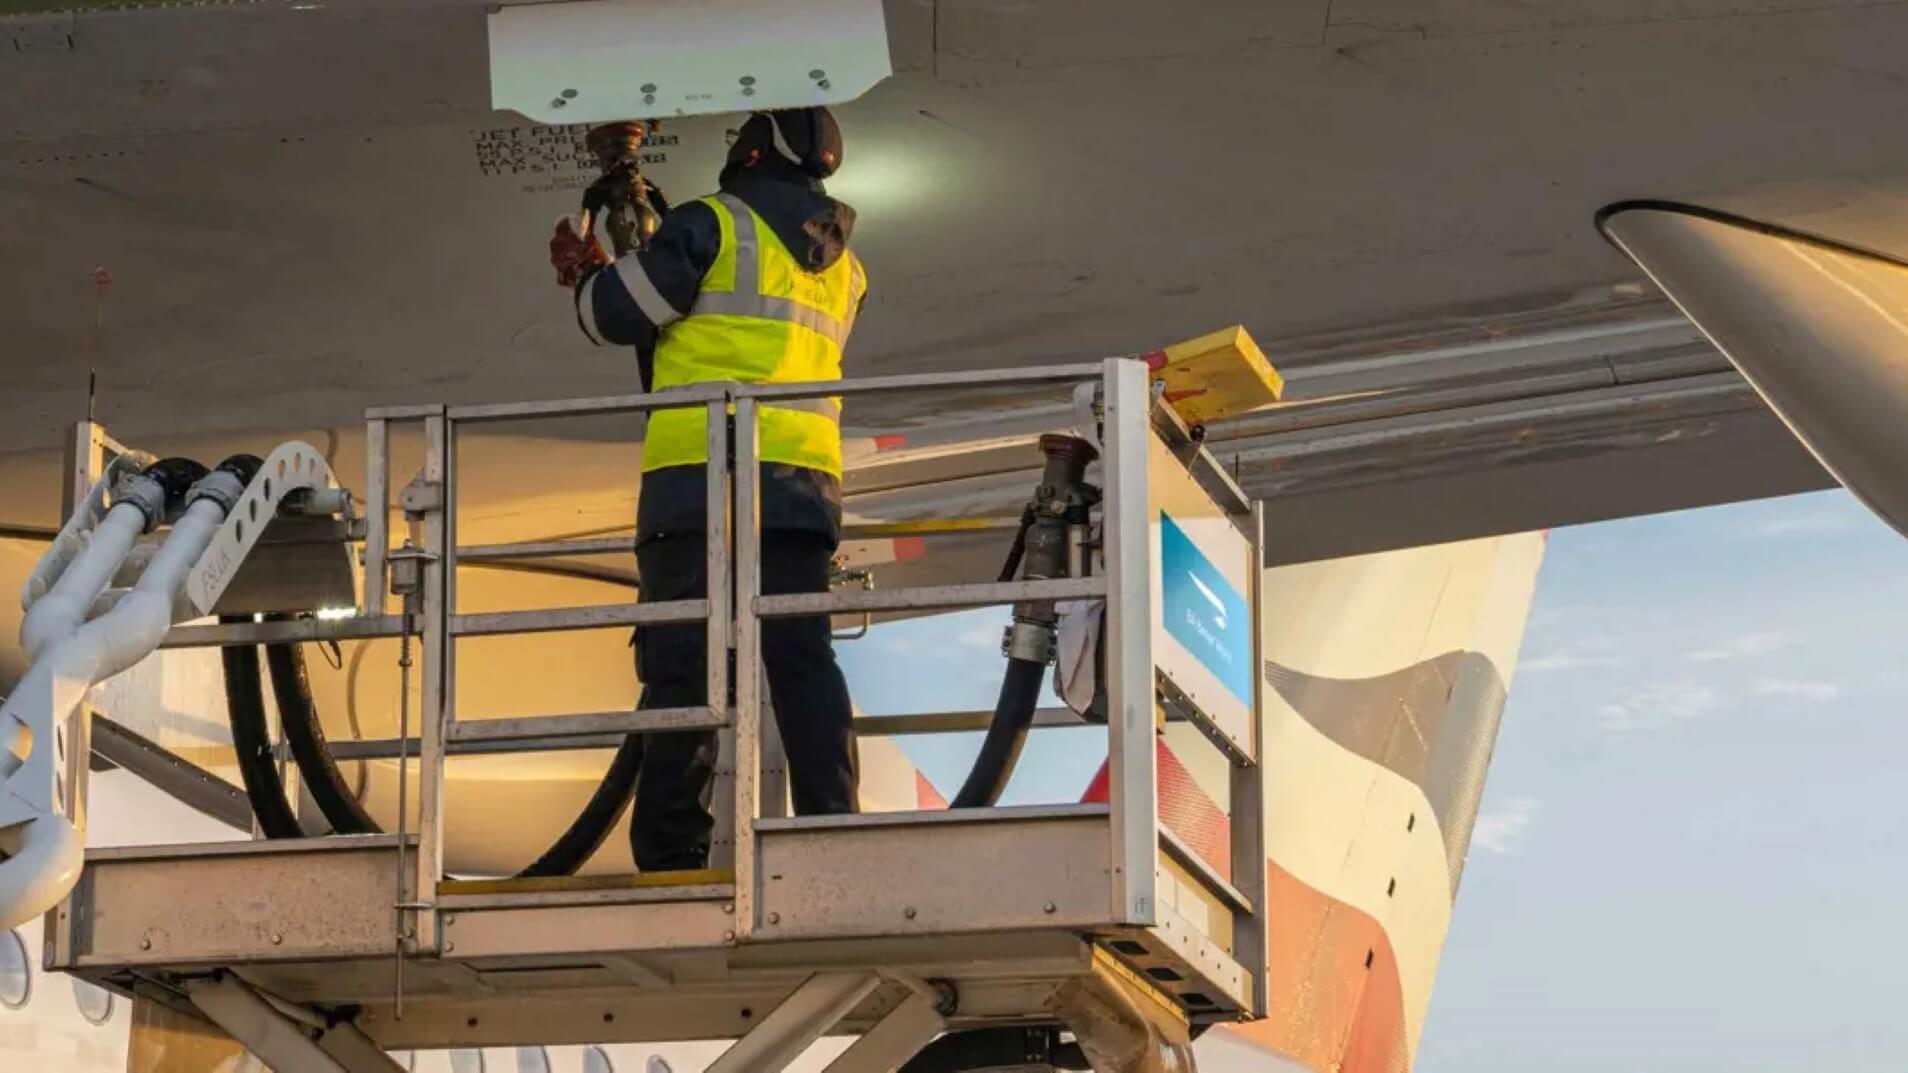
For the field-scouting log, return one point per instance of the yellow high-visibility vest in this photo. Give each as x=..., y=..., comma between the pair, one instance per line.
x=760, y=318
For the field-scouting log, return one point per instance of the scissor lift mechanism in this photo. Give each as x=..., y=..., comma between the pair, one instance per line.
x=890, y=926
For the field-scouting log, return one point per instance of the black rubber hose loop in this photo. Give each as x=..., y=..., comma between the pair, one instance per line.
x=175, y=477
x=1006, y=735
x=298, y=716
x=606, y=806
x=252, y=742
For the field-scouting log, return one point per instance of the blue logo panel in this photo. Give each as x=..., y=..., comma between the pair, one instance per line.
x=1204, y=612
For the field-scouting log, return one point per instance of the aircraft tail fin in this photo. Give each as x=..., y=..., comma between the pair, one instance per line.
x=1386, y=677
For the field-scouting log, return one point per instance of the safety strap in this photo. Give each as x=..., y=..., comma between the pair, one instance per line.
x=746, y=300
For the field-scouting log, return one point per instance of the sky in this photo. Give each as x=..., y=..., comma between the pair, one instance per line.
x=1691, y=854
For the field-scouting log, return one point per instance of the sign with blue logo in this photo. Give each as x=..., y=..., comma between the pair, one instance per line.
x=1204, y=612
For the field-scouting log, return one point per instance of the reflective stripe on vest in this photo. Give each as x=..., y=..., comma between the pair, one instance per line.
x=737, y=332
x=747, y=299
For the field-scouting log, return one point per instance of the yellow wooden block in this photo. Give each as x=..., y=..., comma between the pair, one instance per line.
x=1216, y=376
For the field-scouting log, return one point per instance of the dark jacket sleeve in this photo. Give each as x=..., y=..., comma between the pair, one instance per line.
x=627, y=303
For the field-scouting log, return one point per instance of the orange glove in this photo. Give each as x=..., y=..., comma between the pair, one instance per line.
x=572, y=254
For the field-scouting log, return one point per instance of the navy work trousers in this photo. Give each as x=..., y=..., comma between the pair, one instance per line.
x=672, y=826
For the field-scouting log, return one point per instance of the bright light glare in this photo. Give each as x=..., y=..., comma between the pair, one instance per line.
x=336, y=612
x=882, y=180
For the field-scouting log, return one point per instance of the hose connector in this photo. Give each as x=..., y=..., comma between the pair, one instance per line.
x=159, y=490
x=1063, y=498
x=318, y=502
x=227, y=483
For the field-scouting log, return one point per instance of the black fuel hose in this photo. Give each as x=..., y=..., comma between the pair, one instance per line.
x=252, y=742
x=258, y=766
x=1006, y=735
x=245, y=709
x=1013, y=710
x=303, y=732
x=298, y=717
x=1018, y=549
x=988, y=778
x=606, y=805
x=1039, y=550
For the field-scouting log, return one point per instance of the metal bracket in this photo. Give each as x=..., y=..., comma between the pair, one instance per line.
x=290, y=1038
x=406, y=566
x=841, y=574
x=1031, y=642
x=803, y=1017
x=895, y=1038
x=421, y=497
x=173, y=775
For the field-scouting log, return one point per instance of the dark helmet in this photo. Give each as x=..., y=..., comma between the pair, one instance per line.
x=808, y=138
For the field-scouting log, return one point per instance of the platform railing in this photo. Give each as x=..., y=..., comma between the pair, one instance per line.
x=1128, y=418
x=732, y=480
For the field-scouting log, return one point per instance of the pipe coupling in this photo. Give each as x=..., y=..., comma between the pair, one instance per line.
x=1029, y=642
x=143, y=492
x=171, y=479
x=219, y=486
x=227, y=483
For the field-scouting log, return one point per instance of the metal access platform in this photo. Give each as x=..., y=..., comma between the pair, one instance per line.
x=891, y=927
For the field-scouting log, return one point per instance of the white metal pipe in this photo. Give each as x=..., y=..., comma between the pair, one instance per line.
x=44, y=848
x=135, y=626
x=320, y=502
x=61, y=610
x=133, y=565
x=72, y=537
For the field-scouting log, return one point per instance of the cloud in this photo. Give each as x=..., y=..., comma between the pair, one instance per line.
x=1814, y=692
x=1501, y=829
x=1655, y=705
x=982, y=635
x=1749, y=644
x=1801, y=525
x=1579, y=651
x=1568, y=661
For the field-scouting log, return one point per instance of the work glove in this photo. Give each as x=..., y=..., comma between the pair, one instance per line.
x=574, y=255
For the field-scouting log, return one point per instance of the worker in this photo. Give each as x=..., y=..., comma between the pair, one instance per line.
x=755, y=283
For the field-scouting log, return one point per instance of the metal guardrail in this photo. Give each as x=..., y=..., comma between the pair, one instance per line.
x=433, y=501
x=1130, y=420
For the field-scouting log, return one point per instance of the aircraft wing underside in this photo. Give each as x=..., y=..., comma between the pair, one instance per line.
x=305, y=209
